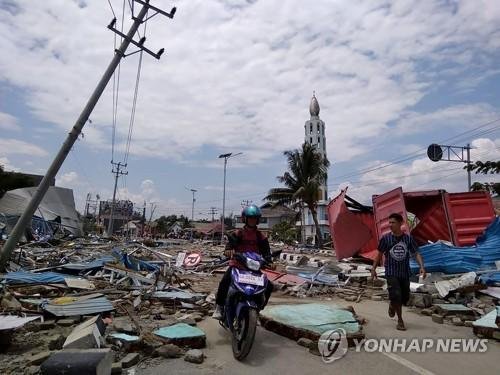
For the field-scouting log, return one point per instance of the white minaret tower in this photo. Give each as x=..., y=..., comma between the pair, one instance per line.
x=315, y=135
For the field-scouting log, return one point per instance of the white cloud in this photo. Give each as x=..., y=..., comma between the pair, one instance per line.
x=242, y=74
x=69, y=179
x=17, y=147
x=8, y=122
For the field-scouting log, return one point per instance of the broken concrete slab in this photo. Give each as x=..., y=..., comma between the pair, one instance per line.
x=124, y=326
x=453, y=309
x=182, y=334
x=194, y=356
x=487, y=325
x=437, y=318
x=421, y=300
x=86, y=337
x=130, y=360
x=310, y=321
x=78, y=362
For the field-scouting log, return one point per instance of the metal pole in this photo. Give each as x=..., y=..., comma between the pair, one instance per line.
x=469, y=180
x=68, y=143
x=192, y=213
x=223, y=202
x=110, y=224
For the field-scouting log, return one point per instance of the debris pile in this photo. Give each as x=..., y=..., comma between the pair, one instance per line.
x=121, y=304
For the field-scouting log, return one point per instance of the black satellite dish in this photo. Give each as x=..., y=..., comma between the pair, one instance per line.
x=435, y=152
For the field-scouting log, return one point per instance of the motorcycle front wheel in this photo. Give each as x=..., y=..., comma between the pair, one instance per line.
x=244, y=333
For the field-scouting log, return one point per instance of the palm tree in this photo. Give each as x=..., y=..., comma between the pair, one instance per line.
x=307, y=170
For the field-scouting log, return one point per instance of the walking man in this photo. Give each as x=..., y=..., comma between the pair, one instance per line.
x=396, y=247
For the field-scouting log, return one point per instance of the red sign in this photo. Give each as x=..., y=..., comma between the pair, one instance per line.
x=192, y=260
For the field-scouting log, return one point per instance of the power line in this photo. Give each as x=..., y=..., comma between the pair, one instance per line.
x=134, y=104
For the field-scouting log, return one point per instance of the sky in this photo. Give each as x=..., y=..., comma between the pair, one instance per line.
x=238, y=76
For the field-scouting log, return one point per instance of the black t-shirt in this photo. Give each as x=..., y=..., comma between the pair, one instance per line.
x=397, y=251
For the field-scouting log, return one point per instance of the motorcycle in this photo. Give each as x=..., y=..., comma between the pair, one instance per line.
x=244, y=300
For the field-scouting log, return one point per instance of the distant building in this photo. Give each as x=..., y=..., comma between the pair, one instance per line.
x=122, y=213
x=314, y=130
x=270, y=217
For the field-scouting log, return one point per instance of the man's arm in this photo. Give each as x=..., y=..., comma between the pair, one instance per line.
x=420, y=261
x=376, y=262
x=232, y=241
x=418, y=257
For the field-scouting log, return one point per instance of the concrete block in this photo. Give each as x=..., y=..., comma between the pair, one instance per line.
x=426, y=312
x=130, y=360
x=83, y=338
x=468, y=323
x=422, y=300
x=116, y=368
x=457, y=321
x=194, y=356
x=437, y=318
x=78, y=362
x=169, y=351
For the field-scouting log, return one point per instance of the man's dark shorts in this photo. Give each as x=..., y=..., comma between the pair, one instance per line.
x=399, y=289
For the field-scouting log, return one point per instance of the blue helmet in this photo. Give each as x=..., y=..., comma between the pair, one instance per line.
x=251, y=211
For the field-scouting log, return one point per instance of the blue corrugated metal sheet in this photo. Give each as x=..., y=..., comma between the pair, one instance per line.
x=84, y=307
x=439, y=257
x=491, y=278
x=23, y=277
x=87, y=266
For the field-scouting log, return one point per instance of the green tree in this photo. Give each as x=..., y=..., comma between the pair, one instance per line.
x=307, y=170
x=492, y=167
x=491, y=187
x=285, y=232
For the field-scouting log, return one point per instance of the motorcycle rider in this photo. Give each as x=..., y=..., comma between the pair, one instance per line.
x=247, y=239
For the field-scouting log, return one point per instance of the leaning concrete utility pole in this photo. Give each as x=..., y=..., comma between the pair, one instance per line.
x=80, y=122
x=117, y=172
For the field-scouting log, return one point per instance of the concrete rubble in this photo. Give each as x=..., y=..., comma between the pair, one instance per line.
x=66, y=298
x=137, y=302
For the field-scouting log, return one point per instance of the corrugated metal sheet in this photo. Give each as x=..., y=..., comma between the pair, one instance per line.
x=83, y=307
x=429, y=207
x=343, y=223
x=386, y=204
x=8, y=322
x=469, y=213
x=439, y=257
x=369, y=249
x=23, y=277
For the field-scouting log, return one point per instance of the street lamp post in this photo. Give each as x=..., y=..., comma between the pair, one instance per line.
x=192, y=211
x=225, y=156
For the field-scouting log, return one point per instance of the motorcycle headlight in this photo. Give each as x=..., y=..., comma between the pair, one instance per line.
x=253, y=264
